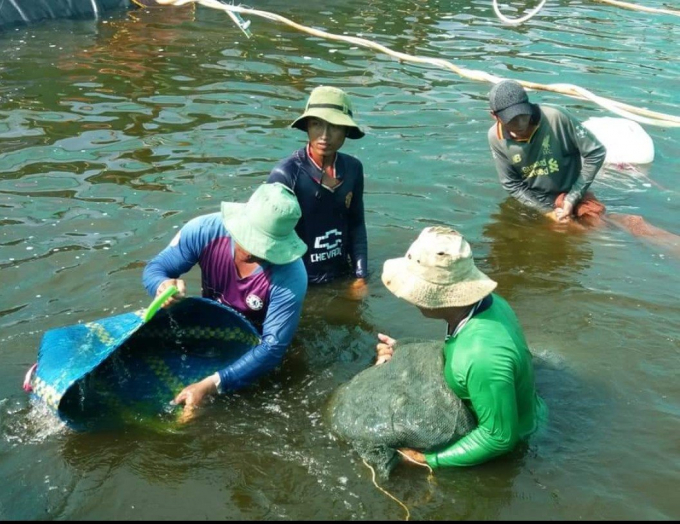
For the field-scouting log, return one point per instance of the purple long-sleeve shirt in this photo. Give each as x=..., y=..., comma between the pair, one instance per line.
x=271, y=297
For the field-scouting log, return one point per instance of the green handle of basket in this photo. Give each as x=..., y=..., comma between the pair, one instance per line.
x=158, y=303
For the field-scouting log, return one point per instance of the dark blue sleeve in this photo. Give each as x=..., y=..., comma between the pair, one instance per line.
x=183, y=251
x=357, y=228
x=289, y=286
x=282, y=173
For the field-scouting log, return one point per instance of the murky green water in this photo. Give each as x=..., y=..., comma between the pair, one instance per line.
x=114, y=133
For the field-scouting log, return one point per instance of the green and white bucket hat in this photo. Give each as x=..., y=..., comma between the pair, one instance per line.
x=332, y=105
x=265, y=225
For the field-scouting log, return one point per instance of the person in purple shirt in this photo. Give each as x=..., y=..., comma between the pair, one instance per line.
x=250, y=260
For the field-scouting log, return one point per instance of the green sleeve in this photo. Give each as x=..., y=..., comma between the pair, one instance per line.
x=492, y=394
x=592, y=153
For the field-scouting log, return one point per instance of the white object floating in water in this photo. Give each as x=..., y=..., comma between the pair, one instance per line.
x=625, y=140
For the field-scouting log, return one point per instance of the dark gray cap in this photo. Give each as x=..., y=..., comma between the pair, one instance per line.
x=508, y=100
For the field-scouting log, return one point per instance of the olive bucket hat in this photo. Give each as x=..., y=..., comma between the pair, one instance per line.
x=332, y=105
x=265, y=225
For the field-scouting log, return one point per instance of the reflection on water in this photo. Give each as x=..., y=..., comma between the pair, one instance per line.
x=115, y=132
x=527, y=251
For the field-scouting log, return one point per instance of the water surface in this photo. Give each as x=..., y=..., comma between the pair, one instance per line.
x=115, y=132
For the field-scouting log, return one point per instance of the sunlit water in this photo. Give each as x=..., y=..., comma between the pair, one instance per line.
x=114, y=133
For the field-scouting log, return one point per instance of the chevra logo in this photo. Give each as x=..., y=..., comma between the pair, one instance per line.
x=254, y=302
x=331, y=242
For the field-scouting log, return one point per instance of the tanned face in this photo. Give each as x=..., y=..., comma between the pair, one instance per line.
x=325, y=139
x=520, y=127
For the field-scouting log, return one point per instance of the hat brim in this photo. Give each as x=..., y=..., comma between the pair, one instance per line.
x=330, y=115
x=276, y=250
x=523, y=108
x=419, y=292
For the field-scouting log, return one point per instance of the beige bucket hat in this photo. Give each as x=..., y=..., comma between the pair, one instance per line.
x=332, y=105
x=265, y=225
x=438, y=271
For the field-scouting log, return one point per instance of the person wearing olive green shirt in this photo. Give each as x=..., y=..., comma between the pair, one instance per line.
x=487, y=362
x=541, y=152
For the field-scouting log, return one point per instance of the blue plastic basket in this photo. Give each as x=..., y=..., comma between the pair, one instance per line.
x=125, y=368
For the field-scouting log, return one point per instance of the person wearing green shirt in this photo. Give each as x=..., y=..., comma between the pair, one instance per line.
x=487, y=362
x=541, y=152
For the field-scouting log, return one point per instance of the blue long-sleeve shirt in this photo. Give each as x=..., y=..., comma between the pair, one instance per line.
x=271, y=297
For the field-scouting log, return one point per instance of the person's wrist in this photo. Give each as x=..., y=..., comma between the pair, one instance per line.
x=431, y=460
x=216, y=380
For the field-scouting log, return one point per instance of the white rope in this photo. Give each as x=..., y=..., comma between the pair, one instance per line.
x=408, y=512
x=627, y=5
x=641, y=115
x=516, y=21
x=636, y=7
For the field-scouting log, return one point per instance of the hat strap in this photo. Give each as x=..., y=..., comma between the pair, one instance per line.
x=344, y=109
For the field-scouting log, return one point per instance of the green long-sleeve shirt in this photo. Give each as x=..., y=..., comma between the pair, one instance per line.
x=489, y=366
x=561, y=156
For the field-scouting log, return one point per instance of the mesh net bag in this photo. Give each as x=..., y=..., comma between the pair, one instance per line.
x=402, y=403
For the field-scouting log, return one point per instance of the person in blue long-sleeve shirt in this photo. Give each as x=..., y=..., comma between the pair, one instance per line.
x=250, y=260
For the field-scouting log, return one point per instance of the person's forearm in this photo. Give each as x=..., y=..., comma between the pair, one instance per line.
x=591, y=167
x=154, y=275
x=252, y=365
x=527, y=197
x=278, y=329
x=592, y=153
x=517, y=188
x=359, y=251
x=475, y=448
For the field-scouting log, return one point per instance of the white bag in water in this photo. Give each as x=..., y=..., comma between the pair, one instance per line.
x=625, y=140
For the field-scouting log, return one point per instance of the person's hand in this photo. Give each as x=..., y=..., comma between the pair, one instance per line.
x=181, y=290
x=193, y=395
x=411, y=456
x=385, y=348
x=558, y=224
x=358, y=289
x=552, y=215
x=563, y=214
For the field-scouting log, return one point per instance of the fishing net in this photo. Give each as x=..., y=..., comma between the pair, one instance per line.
x=404, y=402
